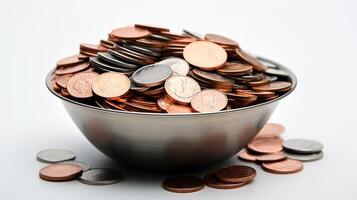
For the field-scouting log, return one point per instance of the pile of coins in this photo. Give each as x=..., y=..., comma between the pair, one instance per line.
x=278, y=156
x=144, y=68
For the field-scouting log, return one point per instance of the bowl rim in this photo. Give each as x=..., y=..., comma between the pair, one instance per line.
x=276, y=65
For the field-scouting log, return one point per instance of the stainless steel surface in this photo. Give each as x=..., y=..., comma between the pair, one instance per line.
x=163, y=141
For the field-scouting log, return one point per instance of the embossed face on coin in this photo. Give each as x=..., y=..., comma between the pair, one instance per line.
x=80, y=85
x=111, y=85
x=209, y=101
x=152, y=75
x=181, y=88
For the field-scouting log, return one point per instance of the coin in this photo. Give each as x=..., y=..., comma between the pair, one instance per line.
x=212, y=181
x=72, y=69
x=62, y=81
x=152, y=75
x=209, y=100
x=236, y=174
x=184, y=184
x=303, y=146
x=251, y=60
x=179, y=66
x=60, y=172
x=181, y=88
x=271, y=157
x=192, y=34
x=266, y=145
x=164, y=102
x=55, y=155
x=100, y=176
x=244, y=155
x=276, y=86
x=219, y=39
x=111, y=85
x=287, y=166
x=129, y=33
x=205, y=55
x=83, y=165
x=175, y=108
x=92, y=48
x=151, y=28
x=305, y=157
x=271, y=130
x=80, y=85
x=235, y=69
x=69, y=61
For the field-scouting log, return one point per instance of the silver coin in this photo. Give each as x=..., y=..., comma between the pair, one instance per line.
x=178, y=65
x=305, y=157
x=277, y=72
x=303, y=146
x=192, y=34
x=84, y=166
x=55, y=155
x=151, y=75
x=100, y=176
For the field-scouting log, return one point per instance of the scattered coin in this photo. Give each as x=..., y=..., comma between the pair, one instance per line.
x=178, y=65
x=236, y=174
x=60, y=172
x=111, y=85
x=80, y=85
x=271, y=130
x=244, y=155
x=100, y=176
x=212, y=181
x=303, y=146
x=181, y=88
x=209, y=101
x=271, y=157
x=184, y=184
x=287, y=166
x=266, y=145
x=305, y=157
x=83, y=165
x=55, y=155
x=152, y=75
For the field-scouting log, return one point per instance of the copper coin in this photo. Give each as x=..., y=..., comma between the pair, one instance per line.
x=266, y=145
x=181, y=88
x=175, y=108
x=92, y=48
x=235, y=68
x=68, y=61
x=276, y=86
x=72, y=69
x=130, y=33
x=205, y=55
x=60, y=172
x=164, y=102
x=236, y=174
x=62, y=81
x=209, y=100
x=185, y=184
x=219, y=39
x=151, y=28
x=212, y=181
x=210, y=76
x=287, y=166
x=111, y=85
x=152, y=75
x=80, y=85
x=244, y=155
x=271, y=157
x=251, y=60
x=271, y=130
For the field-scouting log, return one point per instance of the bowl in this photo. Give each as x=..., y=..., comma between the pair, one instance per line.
x=171, y=141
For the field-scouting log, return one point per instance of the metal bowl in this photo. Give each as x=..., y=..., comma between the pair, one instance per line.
x=171, y=141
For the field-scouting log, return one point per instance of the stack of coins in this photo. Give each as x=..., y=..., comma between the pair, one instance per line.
x=277, y=156
x=145, y=68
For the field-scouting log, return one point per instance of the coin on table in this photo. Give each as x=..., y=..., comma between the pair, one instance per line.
x=246, y=156
x=152, y=75
x=219, y=39
x=175, y=108
x=181, y=88
x=287, y=166
x=80, y=85
x=251, y=60
x=179, y=66
x=303, y=146
x=72, y=69
x=69, y=61
x=130, y=33
x=111, y=85
x=266, y=145
x=60, y=172
x=100, y=176
x=271, y=157
x=271, y=130
x=55, y=155
x=184, y=184
x=305, y=157
x=205, y=55
x=212, y=181
x=276, y=86
x=236, y=174
x=83, y=165
x=209, y=100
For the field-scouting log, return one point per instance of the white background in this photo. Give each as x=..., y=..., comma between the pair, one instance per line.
x=316, y=39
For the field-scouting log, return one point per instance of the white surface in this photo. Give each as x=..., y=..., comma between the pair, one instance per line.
x=316, y=39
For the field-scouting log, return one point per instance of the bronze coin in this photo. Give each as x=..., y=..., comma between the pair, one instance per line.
x=271, y=130
x=271, y=157
x=236, y=174
x=68, y=61
x=259, y=94
x=185, y=184
x=212, y=181
x=151, y=28
x=244, y=155
x=92, y=48
x=80, y=85
x=210, y=76
x=62, y=81
x=111, y=85
x=287, y=166
x=72, y=69
x=60, y=172
x=209, y=100
x=164, y=102
x=276, y=86
x=264, y=81
x=235, y=69
x=251, y=60
x=205, y=55
x=266, y=145
x=175, y=108
x=181, y=88
x=219, y=39
x=129, y=33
